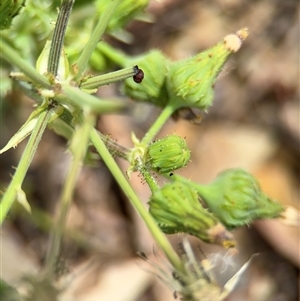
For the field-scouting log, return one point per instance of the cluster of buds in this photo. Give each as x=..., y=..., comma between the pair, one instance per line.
x=233, y=199
x=236, y=198
x=187, y=83
x=176, y=208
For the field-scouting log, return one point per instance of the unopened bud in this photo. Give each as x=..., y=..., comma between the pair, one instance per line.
x=167, y=154
x=190, y=82
x=176, y=208
x=236, y=198
x=152, y=88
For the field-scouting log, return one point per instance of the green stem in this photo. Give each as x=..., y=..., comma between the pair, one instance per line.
x=122, y=181
x=86, y=101
x=147, y=176
x=96, y=36
x=116, y=56
x=158, y=124
x=29, y=92
x=108, y=78
x=18, y=178
x=114, y=148
x=79, y=146
x=10, y=55
x=59, y=35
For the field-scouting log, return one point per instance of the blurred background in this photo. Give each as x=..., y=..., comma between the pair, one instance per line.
x=254, y=124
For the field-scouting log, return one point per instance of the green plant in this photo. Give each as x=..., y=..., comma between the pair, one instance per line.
x=63, y=92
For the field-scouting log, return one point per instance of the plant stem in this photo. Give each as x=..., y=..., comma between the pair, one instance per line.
x=122, y=181
x=59, y=35
x=158, y=124
x=108, y=78
x=96, y=36
x=83, y=100
x=29, y=92
x=151, y=182
x=79, y=145
x=116, y=56
x=18, y=178
x=14, y=59
x=114, y=148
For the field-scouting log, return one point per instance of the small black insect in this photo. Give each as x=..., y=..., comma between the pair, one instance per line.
x=139, y=76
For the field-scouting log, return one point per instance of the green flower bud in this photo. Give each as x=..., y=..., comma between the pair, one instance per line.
x=190, y=82
x=236, y=198
x=152, y=88
x=8, y=10
x=167, y=154
x=176, y=208
x=125, y=12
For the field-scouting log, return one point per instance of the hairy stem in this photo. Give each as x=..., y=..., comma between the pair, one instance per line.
x=150, y=180
x=114, y=148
